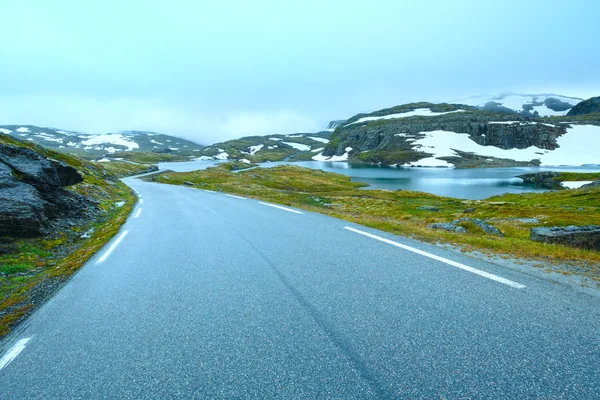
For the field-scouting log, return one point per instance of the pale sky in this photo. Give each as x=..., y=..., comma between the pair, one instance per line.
x=211, y=71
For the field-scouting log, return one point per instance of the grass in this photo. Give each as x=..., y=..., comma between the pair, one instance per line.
x=396, y=211
x=577, y=176
x=30, y=266
x=149, y=157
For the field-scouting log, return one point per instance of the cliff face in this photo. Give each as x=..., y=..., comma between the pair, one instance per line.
x=390, y=136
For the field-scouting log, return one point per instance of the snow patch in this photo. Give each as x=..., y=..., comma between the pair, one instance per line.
x=155, y=142
x=319, y=139
x=318, y=150
x=423, y=112
x=254, y=149
x=575, y=184
x=298, y=146
x=221, y=156
x=23, y=130
x=5, y=131
x=103, y=160
x=112, y=138
x=343, y=157
x=245, y=161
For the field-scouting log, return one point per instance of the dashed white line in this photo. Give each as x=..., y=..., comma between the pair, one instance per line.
x=112, y=247
x=233, y=195
x=280, y=207
x=442, y=259
x=13, y=352
x=137, y=214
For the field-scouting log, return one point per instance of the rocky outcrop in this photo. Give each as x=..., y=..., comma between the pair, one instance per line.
x=542, y=180
x=591, y=185
x=455, y=227
x=32, y=197
x=588, y=106
x=374, y=141
x=585, y=237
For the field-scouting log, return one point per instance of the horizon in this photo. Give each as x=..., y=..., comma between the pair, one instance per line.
x=209, y=73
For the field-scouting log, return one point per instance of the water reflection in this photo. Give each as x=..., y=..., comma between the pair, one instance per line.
x=476, y=183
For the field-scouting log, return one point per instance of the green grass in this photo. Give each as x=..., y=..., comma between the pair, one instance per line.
x=577, y=176
x=30, y=264
x=396, y=211
x=149, y=157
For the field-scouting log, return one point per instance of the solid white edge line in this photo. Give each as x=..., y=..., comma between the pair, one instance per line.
x=233, y=195
x=112, y=247
x=137, y=214
x=280, y=207
x=442, y=259
x=13, y=352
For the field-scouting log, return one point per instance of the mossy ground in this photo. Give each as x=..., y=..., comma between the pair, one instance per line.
x=32, y=268
x=396, y=211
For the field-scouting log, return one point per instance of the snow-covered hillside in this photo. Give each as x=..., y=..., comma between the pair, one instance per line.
x=577, y=147
x=543, y=105
x=100, y=143
x=421, y=112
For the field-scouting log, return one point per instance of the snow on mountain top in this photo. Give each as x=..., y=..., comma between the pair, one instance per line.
x=525, y=102
x=423, y=112
x=112, y=138
x=5, y=131
x=23, y=130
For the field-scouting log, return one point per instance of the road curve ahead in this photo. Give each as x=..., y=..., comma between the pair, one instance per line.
x=205, y=295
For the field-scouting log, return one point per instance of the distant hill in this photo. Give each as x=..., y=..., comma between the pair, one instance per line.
x=93, y=146
x=296, y=147
x=527, y=105
x=589, y=106
x=456, y=135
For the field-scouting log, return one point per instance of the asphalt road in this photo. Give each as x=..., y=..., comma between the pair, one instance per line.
x=212, y=296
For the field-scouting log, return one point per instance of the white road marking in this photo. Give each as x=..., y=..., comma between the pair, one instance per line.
x=13, y=352
x=280, y=207
x=112, y=247
x=137, y=214
x=237, y=197
x=141, y=201
x=442, y=259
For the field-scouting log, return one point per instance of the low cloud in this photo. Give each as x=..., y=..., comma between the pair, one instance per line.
x=99, y=115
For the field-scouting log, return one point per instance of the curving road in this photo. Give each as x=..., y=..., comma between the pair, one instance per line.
x=204, y=295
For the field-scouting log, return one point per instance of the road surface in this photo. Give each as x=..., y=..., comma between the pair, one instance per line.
x=205, y=295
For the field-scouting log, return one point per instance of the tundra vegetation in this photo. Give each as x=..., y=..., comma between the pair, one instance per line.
x=412, y=213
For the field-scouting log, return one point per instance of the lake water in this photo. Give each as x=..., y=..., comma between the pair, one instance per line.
x=476, y=183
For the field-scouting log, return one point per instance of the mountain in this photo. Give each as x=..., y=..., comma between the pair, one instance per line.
x=528, y=105
x=456, y=135
x=588, y=106
x=98, y=145
x=296, y=147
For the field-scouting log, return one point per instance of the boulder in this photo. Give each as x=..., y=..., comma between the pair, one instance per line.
x=542, y=180
x=450, y=227
x=585, y=237
x=32, y=194
x=428, y=208
x=36, y=170
x=489, y=229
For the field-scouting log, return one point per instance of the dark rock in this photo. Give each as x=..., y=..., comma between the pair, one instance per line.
x=585, y=237
x=589, y=106
x=450, y=227
x=36, y=170
x=188, y=183
x=489, y=229
x=591, y=185
x=32, y=197
x=428, y=208
x=542, y=180
x=469, y=210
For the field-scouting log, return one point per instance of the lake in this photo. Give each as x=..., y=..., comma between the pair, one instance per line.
x=476, y=183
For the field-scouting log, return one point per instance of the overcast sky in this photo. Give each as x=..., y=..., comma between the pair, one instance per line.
x=214, y=70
